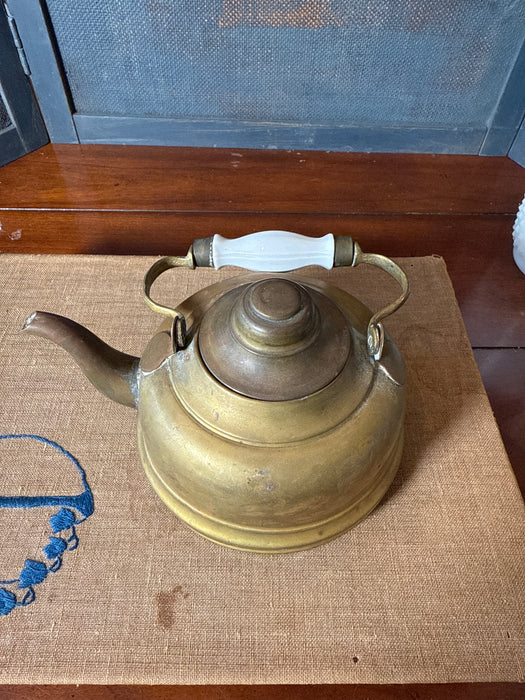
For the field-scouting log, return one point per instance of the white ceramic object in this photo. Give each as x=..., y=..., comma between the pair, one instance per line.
x=518, y=234
x=273, y=251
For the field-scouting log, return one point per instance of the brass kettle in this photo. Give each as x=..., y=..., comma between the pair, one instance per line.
x=270, y=406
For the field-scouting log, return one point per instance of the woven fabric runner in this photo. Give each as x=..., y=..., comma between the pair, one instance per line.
x=428, y=588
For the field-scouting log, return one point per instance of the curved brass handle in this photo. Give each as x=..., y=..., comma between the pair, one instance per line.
x=375, y=331
x=340, y=251
x=156, y=270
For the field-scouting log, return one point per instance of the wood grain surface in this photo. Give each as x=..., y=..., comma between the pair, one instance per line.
x=448, y=691
x=134, y=178
x=147, y=200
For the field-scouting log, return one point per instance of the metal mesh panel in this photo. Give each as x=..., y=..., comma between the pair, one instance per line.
x=371, y=62
x=5, y=119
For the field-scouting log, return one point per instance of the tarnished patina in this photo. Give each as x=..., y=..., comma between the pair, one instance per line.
x=270, y=405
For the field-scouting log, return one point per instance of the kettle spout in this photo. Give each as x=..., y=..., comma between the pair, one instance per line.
x=112, y=372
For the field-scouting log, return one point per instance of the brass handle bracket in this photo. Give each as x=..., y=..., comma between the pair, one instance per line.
x=156, y=270
x=178, y=332
x=375, y=331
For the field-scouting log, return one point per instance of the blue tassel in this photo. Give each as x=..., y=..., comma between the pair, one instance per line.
x=56, y=547
x=7, y=601
x=63, y=520
x=34, y=572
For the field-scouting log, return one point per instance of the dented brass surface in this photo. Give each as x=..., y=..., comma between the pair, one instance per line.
x=266, y=421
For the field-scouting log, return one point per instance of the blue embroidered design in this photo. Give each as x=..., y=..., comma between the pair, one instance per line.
x=62, y=523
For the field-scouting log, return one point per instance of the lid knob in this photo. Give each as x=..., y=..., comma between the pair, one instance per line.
x=275, y=316
x=275, y=299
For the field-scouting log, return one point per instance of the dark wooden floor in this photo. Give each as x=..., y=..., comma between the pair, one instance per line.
x=131, y=200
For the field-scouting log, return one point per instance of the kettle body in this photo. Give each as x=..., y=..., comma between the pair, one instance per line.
x=270, y=407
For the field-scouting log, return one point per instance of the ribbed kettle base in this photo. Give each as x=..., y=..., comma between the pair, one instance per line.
x=275, y=541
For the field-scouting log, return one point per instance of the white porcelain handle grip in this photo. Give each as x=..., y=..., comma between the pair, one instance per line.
x=272, y=251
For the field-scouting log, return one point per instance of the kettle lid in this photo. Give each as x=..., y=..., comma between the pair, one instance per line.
x=274, y=339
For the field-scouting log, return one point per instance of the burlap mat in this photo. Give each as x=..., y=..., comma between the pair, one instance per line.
x=429, y=588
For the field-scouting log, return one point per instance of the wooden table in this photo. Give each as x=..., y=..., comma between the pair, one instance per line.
x=148, y=200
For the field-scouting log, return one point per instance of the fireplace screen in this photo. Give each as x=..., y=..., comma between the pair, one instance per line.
x=334, y=62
